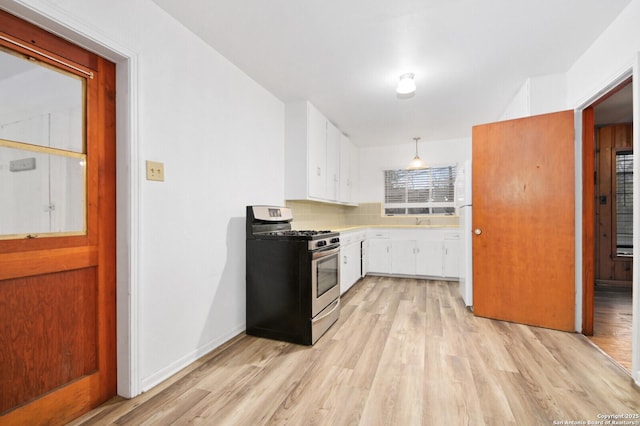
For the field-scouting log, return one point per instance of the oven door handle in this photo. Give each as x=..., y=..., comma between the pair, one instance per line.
x=323, y=316
x=324, y=253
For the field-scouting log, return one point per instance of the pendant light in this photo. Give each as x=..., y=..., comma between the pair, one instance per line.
x=417, y=163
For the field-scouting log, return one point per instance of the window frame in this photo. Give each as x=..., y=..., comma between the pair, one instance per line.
x=431, y=185
x=614, y=191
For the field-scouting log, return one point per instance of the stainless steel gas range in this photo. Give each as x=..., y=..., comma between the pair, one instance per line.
x=293, y=277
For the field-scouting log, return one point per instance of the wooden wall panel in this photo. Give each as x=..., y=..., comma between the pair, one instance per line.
x=48, y=333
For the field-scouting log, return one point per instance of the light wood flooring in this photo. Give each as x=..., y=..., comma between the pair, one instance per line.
x=404, y=352
x=612, y=323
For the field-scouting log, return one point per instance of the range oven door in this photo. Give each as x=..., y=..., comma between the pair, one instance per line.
x=325, y=279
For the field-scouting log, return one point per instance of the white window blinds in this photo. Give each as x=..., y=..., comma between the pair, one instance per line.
x=419, y=192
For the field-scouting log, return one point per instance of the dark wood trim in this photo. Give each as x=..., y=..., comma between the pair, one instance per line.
x=613, y=91
x=588, y=219
x=44, y=40
x=106, y=230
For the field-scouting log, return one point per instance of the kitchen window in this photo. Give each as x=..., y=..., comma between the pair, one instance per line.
x=419, y=192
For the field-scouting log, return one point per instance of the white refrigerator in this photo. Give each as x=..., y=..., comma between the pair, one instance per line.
x=464, y=210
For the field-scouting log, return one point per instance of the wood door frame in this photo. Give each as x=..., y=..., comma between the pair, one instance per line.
x=129, y=168
x=588, y=201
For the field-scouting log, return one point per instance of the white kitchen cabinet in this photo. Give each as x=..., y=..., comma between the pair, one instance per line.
x=317, y=157
x=349, y=167
x=333, y=162
x=433, y=253
x=350, y=267
x=403, y=257
x=312, y=155
x=419, y=257
x=379, y=256
x=451, y=262
x=429, y=258
x=305, y=152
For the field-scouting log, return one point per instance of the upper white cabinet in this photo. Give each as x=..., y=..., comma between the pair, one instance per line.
x=316, y=157
x=333, y=162
x=349, y=168
x=313, y=157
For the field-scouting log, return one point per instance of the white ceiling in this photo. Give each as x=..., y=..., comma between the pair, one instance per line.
x=470, y=57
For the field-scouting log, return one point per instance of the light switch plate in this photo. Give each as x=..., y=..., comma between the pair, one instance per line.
x=155, y=171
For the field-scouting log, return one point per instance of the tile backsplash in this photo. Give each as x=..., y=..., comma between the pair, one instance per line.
x=316, y=215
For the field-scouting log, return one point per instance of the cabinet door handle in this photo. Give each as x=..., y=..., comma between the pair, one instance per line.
x=319, y=171
x=345, y=259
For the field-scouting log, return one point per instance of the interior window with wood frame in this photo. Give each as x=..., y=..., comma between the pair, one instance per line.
x=624, y=202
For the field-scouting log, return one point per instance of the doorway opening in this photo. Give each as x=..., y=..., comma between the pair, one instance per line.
x=608, y=222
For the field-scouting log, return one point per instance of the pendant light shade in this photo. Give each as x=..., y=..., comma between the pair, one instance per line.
x=417, y=163
x=406, y=84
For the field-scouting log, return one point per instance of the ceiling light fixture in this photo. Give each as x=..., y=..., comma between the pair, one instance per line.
x=406, y=84
x=417, y=163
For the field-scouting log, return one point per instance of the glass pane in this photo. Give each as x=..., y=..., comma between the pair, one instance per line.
x=40, y=105
x=46, y=190
x=394, y=211
x=624, y=203
x=418, y=186
x=443, y=184
x=418, y=210
x=395, y=186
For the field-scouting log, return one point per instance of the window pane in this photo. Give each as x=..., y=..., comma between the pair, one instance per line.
x=395, y=186
x=394, y=211
x=624, y=203
x=47, y=192
x=443, y=184
x=40, y=105
x=443, y=210
x=418, y=210
x=419, y=185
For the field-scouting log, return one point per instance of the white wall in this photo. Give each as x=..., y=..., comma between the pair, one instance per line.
x=374, y=160
x=221, y=137
x=610, y=56
x=538, y=95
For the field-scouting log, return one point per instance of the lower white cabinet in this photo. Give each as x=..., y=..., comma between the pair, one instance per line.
x=435, y=254
x=430, y=258
x=403, y=257
x=451, y=262
x=350, y=269
x=419, y=257
x=378, y=256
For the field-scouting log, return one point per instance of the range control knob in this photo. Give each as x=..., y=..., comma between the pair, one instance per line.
x=335, y=240
x=321, y=243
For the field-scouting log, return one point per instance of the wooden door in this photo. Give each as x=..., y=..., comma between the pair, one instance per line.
x=57, y=287
x=523, y=221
